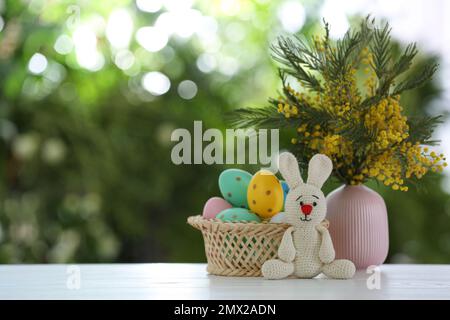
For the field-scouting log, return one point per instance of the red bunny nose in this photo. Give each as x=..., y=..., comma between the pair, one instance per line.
x=306, y=209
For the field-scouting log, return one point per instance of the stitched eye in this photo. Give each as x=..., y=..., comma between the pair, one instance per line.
x=314, y=204
x=301, y=203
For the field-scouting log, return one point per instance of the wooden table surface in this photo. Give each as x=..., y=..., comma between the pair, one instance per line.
x=190, y=281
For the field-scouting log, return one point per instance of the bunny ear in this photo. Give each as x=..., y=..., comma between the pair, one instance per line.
x=289, y=169
x=320, y=167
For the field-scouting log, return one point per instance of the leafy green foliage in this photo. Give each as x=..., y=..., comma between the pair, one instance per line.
x=297, y=56
x=421, y=77
x=266, y=117
x=342, y=121
x=421, y=128
x=85, y=161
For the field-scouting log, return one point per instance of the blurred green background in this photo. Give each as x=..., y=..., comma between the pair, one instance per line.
x=90, y=92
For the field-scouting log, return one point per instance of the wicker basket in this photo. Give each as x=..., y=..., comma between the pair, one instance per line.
x=238, y=248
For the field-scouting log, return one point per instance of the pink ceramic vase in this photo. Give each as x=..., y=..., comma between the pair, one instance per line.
x=358, y=225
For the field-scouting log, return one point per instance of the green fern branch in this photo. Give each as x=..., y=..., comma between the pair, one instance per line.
x=321, y=66
x=266, y=117
x=418, y=80
x=421, y=129
x=296, y=58
x=381, y=51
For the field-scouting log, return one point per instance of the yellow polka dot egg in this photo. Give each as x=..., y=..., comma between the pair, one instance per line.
x=265, y=194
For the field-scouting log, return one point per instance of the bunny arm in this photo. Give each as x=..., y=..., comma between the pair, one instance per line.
x=326, y=251
x=286, y=251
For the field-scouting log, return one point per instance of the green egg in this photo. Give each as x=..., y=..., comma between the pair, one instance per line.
x=237, y=214
x=233, y=184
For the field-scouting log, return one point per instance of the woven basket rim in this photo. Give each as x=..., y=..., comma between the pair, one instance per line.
x=199, y=222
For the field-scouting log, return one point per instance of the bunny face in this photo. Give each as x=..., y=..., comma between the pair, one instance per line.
x=305, y=202
x=305, y=205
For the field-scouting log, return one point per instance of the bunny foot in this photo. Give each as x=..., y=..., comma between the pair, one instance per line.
x=277, y=269
x=339, y=269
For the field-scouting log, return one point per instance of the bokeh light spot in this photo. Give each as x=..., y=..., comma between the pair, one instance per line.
x=181, y=23
x=88, y=57
x=149, y=5
x=156, y=83
x=53, y=151
x=187, y=89
x=235, y=32
x=228, y=66
x=63, y=44
x=332, y=12
x=124, y=59
x=230, y=7
x=292, y=16
x=177, y=5
x=151, y=38
x=119, y=28
x=38, y=63
x=206, y=63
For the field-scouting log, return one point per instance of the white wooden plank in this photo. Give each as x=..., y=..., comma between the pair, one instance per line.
x=190, y=281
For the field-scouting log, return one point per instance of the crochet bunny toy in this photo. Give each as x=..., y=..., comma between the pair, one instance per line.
x=306, y=248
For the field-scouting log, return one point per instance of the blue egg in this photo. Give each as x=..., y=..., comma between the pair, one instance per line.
x=285, y=187
x=233, y=184
x=237, y=214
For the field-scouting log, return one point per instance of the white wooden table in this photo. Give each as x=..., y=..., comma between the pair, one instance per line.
x=190, y=281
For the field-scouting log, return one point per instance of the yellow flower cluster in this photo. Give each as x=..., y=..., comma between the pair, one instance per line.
x=288, y=110
x=345, y=107
x=331, y=144
x=387, y=169
x=371, y=79
x=389, y=157
x=391, y=169
x=386, y=121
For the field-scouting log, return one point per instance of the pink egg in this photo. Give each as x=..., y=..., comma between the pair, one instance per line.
x=214, y=206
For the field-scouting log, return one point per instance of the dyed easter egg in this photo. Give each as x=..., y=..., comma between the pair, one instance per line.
x=237, y=214
x=265, y=194
x=279, y=218
x=233, y=185
x=285, y=187
x=214, y=206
